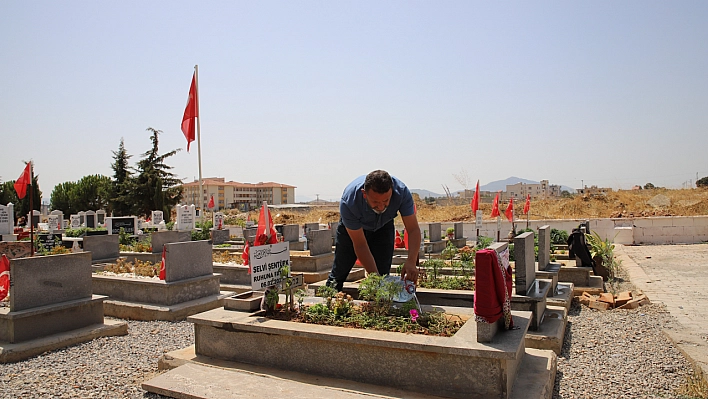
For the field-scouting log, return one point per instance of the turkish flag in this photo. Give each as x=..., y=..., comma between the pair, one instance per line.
x=475, y=200
x=22, y=181
x=495, y=206
x=244, y=256
x=527, y=205
x=4, y=276
x=510, y=210
x=210, y=205
x=191, y=111
x=162, y=264
x=399, y=241
x=262, y=237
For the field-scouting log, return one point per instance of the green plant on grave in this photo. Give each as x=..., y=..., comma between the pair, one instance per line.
x=603, y=249
x=326, y=292
x=467, y=254
x=559, y=237
x=300, y=295
x=272, y=297
x=342, y=304
x=483, y=242
x=450, y=231
x=170, y=225
x=449, y=252
x=124, y=238
x=432, y=267
x=379, y=293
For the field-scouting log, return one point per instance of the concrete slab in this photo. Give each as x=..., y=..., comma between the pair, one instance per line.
x=147, y=312
x=24, y=350
x=213, y=379
x=550, y=334
x=536, y=375
x=563, y=297
x=596, y=287
x=194, y=376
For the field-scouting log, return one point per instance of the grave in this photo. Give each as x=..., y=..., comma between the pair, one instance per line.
x=103, y=248
x=82, y=218
x=7, y=223
x=15, y=249
x=54, y=224
x=47, y=242
x=51, y=307
x=35, y=218
x=101, y=217
x=316, y=262
x=458, y=240
x=530, y=292
x=75, y=222
x=156, y=218
x=280, y=345
x=186, y=217
x=549, y=270
x=190, y=287
x=129, y=224
x=435, y=243
x=159, y=238
x=219, y=237
x=90, y=217
x=291, y=234
x=249, y=234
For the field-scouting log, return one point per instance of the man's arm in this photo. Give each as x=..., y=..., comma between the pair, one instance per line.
x=361, y=248
x=410, y=271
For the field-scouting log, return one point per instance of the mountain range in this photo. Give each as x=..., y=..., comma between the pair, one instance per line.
x=491, y=186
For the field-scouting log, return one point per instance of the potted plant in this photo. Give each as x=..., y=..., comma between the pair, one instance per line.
x=450, y=232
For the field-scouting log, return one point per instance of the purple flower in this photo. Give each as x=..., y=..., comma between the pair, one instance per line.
x=414, y=314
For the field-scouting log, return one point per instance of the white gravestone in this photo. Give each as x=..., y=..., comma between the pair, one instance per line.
x=219, y=218
x=156, y=218
x=7, y=219
x=186, y=216
x=101, y=217
x=74, y=221
x=53, y=223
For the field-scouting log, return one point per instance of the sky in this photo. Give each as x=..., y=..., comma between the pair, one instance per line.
x=315, y=93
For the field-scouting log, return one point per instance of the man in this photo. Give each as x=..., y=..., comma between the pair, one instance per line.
x=366, y=232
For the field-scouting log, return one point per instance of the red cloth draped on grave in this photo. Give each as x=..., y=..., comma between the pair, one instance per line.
x=162, y=263
x=261, y=237
x=4, y=276
x=492, y=287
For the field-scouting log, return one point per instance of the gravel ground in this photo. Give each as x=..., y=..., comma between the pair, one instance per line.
x=611, y=354
x=620, y=353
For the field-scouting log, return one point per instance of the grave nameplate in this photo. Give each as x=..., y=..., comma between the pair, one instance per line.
x=219, y=220
x=101, y=216
x=90, y=219
x=186, y=216
x=478, y=219
x=157, y=217
x=53, y=223
x=48, y=241
x=74, y=221
x=7, y=220
x=128, y=223
x=266, y=262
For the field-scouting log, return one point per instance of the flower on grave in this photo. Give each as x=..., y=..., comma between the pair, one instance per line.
x=414, y=314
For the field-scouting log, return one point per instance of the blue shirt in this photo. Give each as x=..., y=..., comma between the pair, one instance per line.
x=356, y=212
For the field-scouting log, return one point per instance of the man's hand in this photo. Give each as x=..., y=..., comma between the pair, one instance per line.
x=410, y=271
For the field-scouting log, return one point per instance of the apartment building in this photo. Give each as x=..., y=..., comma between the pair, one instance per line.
x=235, y=195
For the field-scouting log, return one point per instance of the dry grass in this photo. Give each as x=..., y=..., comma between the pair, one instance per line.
x=621, y=204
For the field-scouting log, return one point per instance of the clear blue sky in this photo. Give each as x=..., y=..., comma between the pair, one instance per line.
x=315, y=93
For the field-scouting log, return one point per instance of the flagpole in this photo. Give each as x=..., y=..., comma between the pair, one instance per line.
x=199, y=146
x=31, y=213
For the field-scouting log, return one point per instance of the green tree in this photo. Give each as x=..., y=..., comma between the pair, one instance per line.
x=702, y=182
x=155, y=187
x=648, y=186
x=121, y=203
x=62, y=199
x=566, y=194
x=89, y=193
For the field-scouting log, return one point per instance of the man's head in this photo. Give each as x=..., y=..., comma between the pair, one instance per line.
x=378, y=188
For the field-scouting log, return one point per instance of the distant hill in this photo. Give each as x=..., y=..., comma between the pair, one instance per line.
x=425, y=193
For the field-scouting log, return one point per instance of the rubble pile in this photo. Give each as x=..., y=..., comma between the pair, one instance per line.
x=606, y=300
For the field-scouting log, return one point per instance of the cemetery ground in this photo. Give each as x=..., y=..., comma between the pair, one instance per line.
x=607, y=354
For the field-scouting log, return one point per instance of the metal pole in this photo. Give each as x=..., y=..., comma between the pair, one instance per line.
x=199, y=146
x=31, y=214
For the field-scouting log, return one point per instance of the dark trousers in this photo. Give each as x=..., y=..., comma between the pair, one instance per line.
x=380, y=244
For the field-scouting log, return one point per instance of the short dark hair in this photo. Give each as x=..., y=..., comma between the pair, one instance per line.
x=379, y=181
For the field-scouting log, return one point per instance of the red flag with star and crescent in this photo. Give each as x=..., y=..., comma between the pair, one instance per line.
x=527, y=205
x=191, y=112
x=510, y=210
x=4, y=276
x=495, y=206
x=24, y=180
x=475, y=200
x=162, y=263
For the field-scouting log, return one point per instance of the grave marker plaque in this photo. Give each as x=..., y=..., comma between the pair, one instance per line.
x=128, y=223
x=90, y=218
x=7, y=219
x=53, y=222
x=82, y=218
x=101, y=217
x=266, y=261
x=48, y=241
x=219, y=220
x=186, y=215
x=74, y=221
x=156, y=217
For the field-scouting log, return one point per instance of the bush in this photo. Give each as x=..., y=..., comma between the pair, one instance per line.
x=559, y=237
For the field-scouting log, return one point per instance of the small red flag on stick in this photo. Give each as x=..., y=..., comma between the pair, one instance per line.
x=527, y=205
x=495, y=206
x=475, y=200
x=510, y=210
x=162, y=264
x=4, y=276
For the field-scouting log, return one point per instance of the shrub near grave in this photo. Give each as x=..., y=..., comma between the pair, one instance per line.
x=137, y=268
x=376, y=312
x=430, y=275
